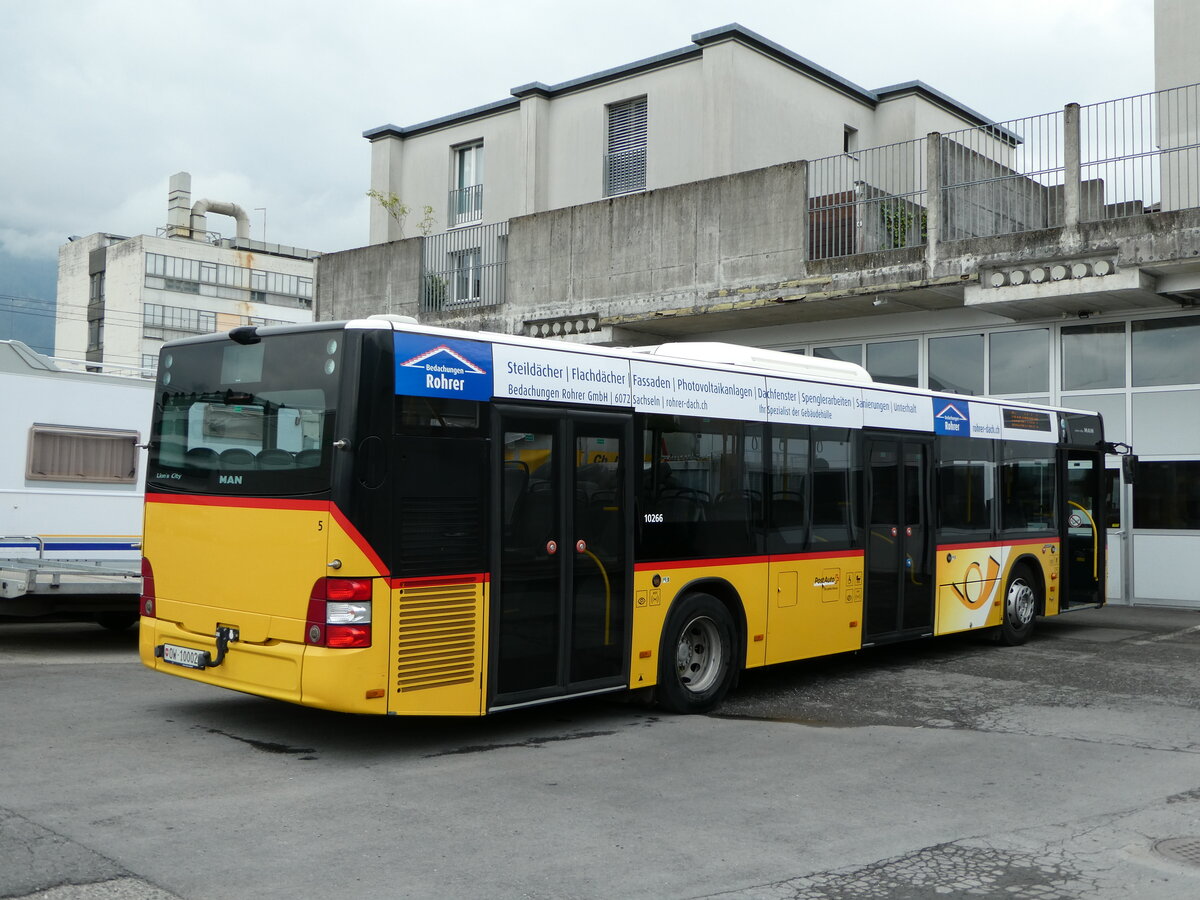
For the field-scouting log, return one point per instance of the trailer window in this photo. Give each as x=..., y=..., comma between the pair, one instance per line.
x=72, y=453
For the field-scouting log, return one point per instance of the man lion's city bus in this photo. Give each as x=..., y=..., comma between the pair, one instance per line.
x=377, y=517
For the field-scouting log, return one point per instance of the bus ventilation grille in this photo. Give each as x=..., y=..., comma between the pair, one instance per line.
x=438, y=635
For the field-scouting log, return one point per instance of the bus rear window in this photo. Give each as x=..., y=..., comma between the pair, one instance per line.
x=252, y=419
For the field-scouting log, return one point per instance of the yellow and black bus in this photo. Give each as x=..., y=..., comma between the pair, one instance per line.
x=378, y=517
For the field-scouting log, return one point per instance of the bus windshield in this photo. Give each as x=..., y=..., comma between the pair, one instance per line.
x=252, y=419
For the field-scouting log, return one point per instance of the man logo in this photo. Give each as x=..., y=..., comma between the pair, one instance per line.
x=229, y=479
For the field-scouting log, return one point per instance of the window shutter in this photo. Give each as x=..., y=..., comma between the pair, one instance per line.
x=625, y=159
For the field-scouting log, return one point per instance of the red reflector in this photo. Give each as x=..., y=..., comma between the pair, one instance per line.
x=148, y=596
x=347, y=635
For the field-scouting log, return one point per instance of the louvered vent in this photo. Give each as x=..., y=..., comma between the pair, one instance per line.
x=440, y=536
x=625, y=156
x=437, y=636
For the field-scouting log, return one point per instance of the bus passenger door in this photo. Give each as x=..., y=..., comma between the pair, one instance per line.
x=899, y=563
x=562, y=576
x=1083, y=541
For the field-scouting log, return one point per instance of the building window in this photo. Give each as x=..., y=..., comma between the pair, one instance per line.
x=625, y=156
x=1165, y=351
x=1167, y=495
x=1019, y=362
x=956, y=364
x=1093, y=356
x=466, y=270
x=851, y=353
x=68, y=453
x=466, y=199
x=893, y=362
x=95, y=335
x=849, y=140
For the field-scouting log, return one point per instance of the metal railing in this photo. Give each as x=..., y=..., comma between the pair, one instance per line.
x=1114, y=159
x=464, y=268
x=1002, y=178
x=869, y=200
x=624, y=172
x=1140, y=154
x=466, y=205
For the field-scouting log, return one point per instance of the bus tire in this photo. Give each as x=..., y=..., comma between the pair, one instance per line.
x=1020, y=609
x=696, y=664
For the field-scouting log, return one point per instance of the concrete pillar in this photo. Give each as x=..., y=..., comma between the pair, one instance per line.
x=386, y=155
x=179, y=205
x=535, y=125
x=933, y=198
x=805, y=214
x=1072, y=173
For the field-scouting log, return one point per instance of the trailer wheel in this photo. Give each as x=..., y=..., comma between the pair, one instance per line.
x=117, y=621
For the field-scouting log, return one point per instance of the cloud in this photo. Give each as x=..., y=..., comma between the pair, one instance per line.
x=265, y=104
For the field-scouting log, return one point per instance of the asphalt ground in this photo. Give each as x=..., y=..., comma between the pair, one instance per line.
x=1066, y=768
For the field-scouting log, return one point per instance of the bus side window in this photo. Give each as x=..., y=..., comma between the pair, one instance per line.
x=833, y=525
x=791, y=458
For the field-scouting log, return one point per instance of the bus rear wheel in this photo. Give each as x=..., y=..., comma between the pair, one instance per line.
x=1020, y=609
x=696, y=664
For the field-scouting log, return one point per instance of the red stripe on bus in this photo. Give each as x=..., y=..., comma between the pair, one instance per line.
x=275, y=503
x=742, y=560
x=987, y=545
x=239, y=502
x=436, y=580
x=816, y=554
x=359, y=541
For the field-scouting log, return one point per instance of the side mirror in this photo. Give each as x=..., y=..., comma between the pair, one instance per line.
x=1129, y=467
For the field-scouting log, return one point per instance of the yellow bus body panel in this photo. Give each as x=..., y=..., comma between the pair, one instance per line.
x=815, y=607
x=651, y=605
x=251, y=565
x=438, y=631
x=971, y=582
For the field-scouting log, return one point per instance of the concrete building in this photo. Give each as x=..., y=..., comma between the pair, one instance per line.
x=1050, y=258
x=120, y=298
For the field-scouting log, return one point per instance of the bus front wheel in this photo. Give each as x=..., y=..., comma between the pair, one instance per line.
x=696, y=664
x=1020, y=609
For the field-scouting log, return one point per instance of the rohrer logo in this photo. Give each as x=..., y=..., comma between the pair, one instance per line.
x=430, y=367
x=952, y=418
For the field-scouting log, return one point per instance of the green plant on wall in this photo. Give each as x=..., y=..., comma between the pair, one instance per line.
x=399, y=211
x=426, y=225
x=435, y=292
x=392, y=206
x=898, y=218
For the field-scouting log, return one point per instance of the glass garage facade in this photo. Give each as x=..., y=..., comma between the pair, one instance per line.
x=1142, y=373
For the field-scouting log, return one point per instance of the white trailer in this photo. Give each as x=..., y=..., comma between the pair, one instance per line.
x=72, y=470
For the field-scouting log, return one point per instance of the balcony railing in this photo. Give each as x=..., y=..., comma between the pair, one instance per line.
x=1119, y=158
x=624, y=172
x=464, y=268
x=466, y=205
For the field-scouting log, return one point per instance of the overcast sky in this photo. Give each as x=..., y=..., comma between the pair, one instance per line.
x=265, y=101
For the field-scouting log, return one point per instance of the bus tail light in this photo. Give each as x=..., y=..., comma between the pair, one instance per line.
x=339, y=613
x=147, y=602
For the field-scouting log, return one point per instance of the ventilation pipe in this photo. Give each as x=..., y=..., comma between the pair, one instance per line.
x=200, y=220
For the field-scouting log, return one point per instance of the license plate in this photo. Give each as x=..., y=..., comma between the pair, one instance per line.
x=184, y=656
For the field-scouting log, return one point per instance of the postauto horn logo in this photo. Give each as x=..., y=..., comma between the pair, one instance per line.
x=428, y=366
